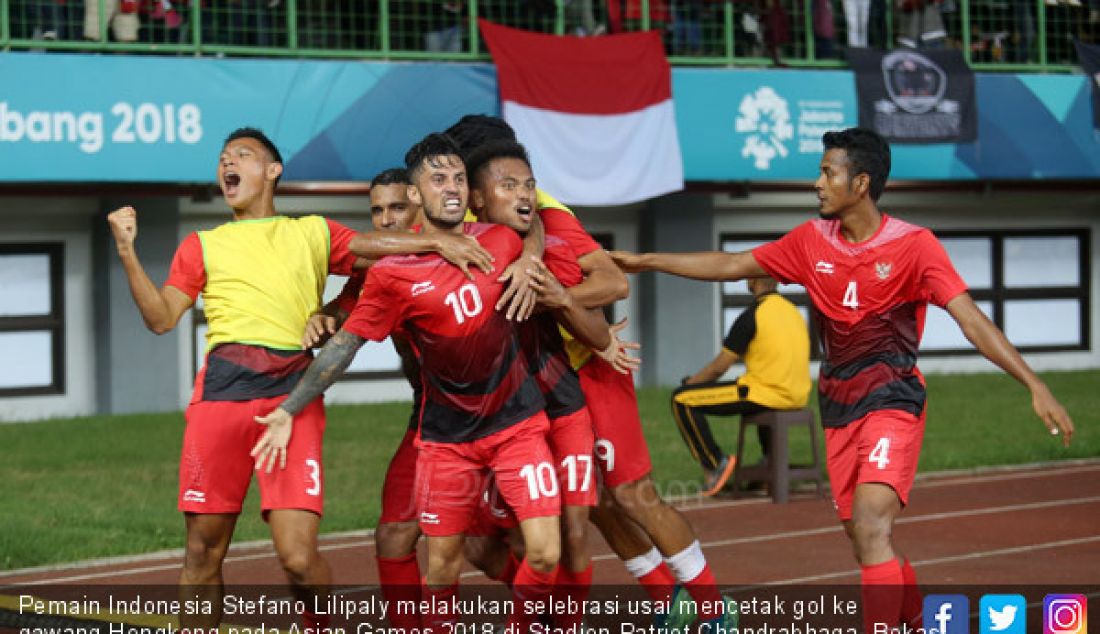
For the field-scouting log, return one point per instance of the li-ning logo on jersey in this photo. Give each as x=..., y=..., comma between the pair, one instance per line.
x=824, y=267
x=422, y=287
x=882, y=269
x=429, y=518
x=191, y=495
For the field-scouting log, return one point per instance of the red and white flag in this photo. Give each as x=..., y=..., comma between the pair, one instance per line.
x=595, y=113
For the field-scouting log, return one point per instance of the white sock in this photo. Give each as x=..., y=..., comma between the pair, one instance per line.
x=642, y=565
x=687, y=564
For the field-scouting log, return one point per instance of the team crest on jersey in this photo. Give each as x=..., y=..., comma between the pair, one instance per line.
x=422, y=287
x=882, y=269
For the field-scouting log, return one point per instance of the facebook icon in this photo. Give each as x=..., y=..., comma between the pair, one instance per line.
x=946, y=614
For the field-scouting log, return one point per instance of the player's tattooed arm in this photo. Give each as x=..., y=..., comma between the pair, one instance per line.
x=461, y=250
x=716, y=266
x=519, y=297
x=333, y=359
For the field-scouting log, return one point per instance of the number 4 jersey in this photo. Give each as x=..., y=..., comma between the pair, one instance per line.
x=476, y=378
x=870, y=300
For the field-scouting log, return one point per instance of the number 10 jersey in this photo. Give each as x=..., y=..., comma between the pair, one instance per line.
x=476, y=378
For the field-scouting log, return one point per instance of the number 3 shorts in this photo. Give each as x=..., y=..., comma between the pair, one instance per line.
x=216, y=466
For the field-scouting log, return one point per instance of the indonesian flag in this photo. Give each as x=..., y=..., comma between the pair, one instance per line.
x=595, y=113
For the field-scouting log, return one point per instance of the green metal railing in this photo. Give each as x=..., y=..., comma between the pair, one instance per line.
x=1010, y=35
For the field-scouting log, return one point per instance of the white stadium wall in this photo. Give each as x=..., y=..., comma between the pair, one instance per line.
x=65, y=221
x=680, y=323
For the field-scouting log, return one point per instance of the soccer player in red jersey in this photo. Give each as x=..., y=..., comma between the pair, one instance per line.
x=261, y=277
x=482, y=409
x=503, y=192
x=654, y=540
x=870, y=277
x=397, y=533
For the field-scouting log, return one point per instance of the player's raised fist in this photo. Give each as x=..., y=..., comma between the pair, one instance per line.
x=123, y=222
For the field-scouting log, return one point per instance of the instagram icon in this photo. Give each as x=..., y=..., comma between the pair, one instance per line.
x=1065, y=614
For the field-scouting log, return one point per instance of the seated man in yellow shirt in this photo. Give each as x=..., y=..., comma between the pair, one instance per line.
x=772, y=339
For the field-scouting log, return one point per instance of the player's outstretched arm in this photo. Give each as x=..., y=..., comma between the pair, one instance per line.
x=330, y=363
x=461, y=250
x=161, y=308
x=604, y=283
x=716, y=266
x=519, y=297
x=992, y=343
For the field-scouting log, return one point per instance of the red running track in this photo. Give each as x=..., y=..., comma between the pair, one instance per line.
x=1022, y=526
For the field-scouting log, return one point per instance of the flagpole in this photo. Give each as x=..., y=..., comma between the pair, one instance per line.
x=730, y=33
x=475, y=40
x=384, y=26
x=645, y=15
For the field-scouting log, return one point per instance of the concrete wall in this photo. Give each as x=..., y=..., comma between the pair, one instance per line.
x=679, y=314
x=114, y=365
x=66, y=221
x=136, y=370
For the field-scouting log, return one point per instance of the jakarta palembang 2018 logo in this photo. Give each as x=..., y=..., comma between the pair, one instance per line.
x=766, y=118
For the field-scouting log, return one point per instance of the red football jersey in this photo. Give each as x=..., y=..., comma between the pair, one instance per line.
x=564, y=225
x=542, y=342
x=870, y=300
x=476, y=378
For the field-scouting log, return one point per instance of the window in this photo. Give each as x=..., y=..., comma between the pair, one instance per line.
x=1025, y=281
x=32, y=319
x=736, y=296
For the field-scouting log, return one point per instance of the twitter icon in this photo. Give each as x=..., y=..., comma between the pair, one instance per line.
x=1002, y=614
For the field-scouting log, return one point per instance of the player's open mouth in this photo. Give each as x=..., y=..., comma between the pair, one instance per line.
x=524, y=212
x=452, y=204
x=230, y=182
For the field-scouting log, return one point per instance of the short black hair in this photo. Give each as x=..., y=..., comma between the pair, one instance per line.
x=474, y=130
x=391, y=176
x=868, y=153
x=479, y=159
x=432, y=146
x=258, y=135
